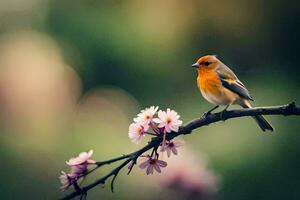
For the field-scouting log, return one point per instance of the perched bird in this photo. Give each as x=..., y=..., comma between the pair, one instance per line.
x=220, y=86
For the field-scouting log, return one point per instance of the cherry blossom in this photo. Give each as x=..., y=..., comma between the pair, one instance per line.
x=169, y=120
x=137, y=132
x=79, y=164
x=146, y=116
x=82, y=158
x=152, y=164
x=171, y=147
x=78, y=170
x=66, y=180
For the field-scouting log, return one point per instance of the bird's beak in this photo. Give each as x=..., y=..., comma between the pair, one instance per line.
x=196, y=65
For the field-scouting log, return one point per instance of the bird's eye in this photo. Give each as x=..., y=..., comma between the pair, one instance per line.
x=206, y=63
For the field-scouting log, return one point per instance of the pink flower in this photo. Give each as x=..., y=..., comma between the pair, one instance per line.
x=168, y=120
x=82, y=158
x=171, y=147
x=66, y=180
x=78, y=170
x=79, y=164
x=78, y=167
x=146, y=116
x=137, y=132
x=152, y=163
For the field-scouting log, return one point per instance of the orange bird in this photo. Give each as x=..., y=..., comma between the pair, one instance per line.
x=220, y=86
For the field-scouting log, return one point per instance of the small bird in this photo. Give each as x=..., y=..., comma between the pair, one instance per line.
x=220, y=86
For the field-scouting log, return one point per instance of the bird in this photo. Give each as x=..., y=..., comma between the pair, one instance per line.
x=220, y=86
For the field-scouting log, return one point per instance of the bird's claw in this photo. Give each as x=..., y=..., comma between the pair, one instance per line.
x=205, y=114
x=209, y=112
x=223, y=114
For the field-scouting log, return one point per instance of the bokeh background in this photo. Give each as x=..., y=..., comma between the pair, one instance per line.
x=73, y=74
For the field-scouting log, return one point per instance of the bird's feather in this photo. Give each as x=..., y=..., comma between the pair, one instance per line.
x=231, y=82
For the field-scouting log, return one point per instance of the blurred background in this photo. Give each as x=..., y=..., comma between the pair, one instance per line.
x=73, y=74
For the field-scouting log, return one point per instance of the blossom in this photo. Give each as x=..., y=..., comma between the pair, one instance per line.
x=137, y=132
x=79, y=164
x=146, y=116
x=78, y=167
x=169, y=120
x=66, y=180
x=152, y=163
x=78, y=170
x=83, y=158
x=171, y=147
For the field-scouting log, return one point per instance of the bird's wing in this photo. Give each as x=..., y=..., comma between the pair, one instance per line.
x=231, y=82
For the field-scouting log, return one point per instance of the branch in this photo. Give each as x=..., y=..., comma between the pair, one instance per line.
x=285, y=110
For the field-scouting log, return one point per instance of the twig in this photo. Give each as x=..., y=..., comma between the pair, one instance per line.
x=285, y=110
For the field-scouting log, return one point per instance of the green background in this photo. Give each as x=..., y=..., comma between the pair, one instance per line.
x=127, y=55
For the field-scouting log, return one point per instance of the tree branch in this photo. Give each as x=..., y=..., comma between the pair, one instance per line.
x=285, y=110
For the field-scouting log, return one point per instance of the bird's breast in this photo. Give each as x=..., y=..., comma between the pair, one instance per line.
x=212, y=89
x=208, y=81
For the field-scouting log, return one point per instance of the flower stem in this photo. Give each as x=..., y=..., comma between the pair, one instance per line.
x=151, y=133
x=154, y=127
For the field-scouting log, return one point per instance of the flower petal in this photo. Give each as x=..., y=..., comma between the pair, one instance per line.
x=90, y=153
x=168, y=152
x=157, y=168
x=149, y=170
x=144, y=164
x=174, y=150
x=161, y=163
x=90, y=161
x=156, y=120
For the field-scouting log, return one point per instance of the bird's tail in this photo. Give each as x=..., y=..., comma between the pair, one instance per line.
x=260, y=120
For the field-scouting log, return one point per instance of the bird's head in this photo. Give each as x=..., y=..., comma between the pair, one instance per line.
x=208, y=62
